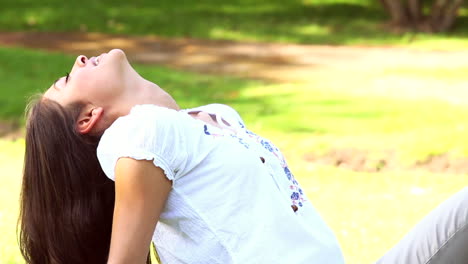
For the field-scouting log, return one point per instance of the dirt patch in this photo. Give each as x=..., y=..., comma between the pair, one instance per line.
x=364, y=161
x=444, y=163
x=355, y=159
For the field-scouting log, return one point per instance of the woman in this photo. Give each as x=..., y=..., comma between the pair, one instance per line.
x=196, y=182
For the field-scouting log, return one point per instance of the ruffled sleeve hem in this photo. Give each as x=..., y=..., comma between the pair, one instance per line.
x=157, y=161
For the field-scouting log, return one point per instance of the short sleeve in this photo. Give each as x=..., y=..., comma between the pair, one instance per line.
x=149, y=132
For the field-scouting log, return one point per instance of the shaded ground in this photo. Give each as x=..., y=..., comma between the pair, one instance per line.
x=281, y=63
x=276, y=62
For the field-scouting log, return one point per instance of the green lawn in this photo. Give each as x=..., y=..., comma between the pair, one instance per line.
x=297, y=21
x=369, y=211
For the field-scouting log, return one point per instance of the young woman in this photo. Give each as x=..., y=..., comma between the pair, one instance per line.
x=196, y=182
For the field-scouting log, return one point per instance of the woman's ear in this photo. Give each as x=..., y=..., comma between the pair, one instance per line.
x=88, y=119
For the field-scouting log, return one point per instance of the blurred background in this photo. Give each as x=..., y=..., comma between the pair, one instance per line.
x=368, y=99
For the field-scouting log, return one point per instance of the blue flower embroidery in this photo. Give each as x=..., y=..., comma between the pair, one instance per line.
x=241, y=141
x=288, y=173
x=206, y=130
x=267, y=145
x=250, y=133
x=295, y=196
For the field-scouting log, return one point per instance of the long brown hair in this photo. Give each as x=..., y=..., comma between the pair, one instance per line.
x=67, y=202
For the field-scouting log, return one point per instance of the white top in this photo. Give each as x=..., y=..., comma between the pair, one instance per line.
x=233, y=199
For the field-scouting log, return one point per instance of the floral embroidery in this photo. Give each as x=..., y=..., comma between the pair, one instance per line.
x=206, y=130
x=241, y=140
x=222, y=134
x=297, y=195
x=288, y=173
x=267, y=145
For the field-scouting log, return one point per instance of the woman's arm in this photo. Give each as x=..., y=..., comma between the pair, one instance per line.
x=141, y=191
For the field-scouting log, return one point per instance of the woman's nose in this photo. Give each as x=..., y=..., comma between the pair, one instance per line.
x=81, y=60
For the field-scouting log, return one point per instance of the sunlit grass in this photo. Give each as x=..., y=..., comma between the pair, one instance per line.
x=11, y=160
x=436, y=72
x=330, y=119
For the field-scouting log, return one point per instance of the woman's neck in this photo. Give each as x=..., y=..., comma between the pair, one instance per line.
x=146, y=92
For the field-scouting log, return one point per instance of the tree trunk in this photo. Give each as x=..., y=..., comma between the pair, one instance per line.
x=438, y=9
x=415, y=11
x=397, y=12
x=408, y=14
x=445, y=16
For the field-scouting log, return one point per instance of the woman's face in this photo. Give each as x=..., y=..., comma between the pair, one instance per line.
x=96, y=80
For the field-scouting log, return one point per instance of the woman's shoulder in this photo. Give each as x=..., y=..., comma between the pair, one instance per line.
x=149, y=108
x=149, y=111
x=148, y=132
x=227, y=113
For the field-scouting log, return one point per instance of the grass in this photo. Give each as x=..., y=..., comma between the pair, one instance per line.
x=11, y=161
x=368, y=211
x=349, y=22
x=26, y=73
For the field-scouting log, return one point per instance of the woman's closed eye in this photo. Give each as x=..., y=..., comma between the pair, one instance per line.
x=67, y=77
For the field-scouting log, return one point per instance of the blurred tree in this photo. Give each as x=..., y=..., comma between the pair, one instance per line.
x=410, y=14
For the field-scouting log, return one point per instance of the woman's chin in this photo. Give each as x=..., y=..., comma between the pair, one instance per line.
x=117, y=52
